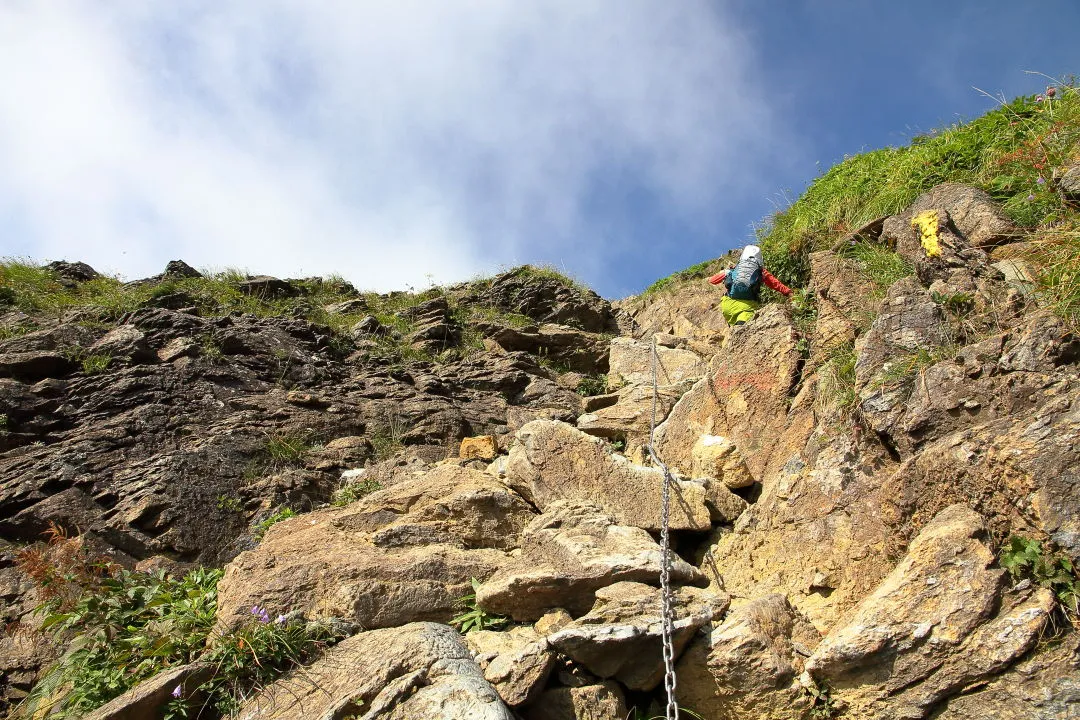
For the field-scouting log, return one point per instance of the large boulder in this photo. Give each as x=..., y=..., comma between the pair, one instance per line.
x=716, y=457
x=421, y=671
x=146, y=700
x=435, y=328
x=569, y=553
x=688, y=310
x=630, y=363
x=553, y=461
x=405, y=553
x=747, y=666
x=70, y=273
x=934, y=625
x=909, y=322
x=974, y=215
x=448, y=505
x=574, y=349
x=1042, y=686
x=516, y=662
x=1068, y=181
x=844, y=297
x=1019, y=471
x=621, y=636
x=631, y=415
x=744, y=396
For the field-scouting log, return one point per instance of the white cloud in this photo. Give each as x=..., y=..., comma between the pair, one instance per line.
x=381, y=140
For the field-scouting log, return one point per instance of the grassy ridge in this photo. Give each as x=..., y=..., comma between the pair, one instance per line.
x=1010, y=153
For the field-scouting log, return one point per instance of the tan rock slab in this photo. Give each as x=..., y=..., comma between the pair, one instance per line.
x=554, y=461
x=145, y=700
x=421, y=671
x=482, y=447
x=746, y=666
x=398, y=555
x=743, y=397
x=933, y=626
x=631, y=415
x=717, y=458
x=630, y=363
x=516, y=662
x=569, y=553
x=621, y=636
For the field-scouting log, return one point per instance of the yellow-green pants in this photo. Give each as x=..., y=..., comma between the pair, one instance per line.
x=737, y=311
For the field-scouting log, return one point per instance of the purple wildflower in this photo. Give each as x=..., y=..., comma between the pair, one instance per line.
x=260, y=613
x=1041, y=181
x=1030, y=198
x=177, y=692
x=1051, y=92
x=1038, y=98
x=281, y=620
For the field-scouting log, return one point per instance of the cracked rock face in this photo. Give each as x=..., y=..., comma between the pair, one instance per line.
x=744, y=396
x=554, y=461
x=398, y=555
x=567, y=555
x=620, y=637
x=420, y=671
x=746, y=665
x=936, y=623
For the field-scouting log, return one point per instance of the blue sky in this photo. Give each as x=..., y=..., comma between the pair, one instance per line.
x=406, y=142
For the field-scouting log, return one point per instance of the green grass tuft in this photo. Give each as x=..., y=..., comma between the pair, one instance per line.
x=263, y=525
x=96, y=364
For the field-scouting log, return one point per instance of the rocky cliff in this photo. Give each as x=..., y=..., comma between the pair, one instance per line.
x=877, y=488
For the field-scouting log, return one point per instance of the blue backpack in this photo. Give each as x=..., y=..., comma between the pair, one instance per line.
x=743, y=282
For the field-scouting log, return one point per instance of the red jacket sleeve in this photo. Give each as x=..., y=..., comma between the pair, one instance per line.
x=773, y=283
x=718, y=277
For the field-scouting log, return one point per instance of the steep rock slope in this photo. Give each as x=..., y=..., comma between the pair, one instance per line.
x=849, y=470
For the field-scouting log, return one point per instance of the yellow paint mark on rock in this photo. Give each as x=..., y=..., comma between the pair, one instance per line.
x=927, y=223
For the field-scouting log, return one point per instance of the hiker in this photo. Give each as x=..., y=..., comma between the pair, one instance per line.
x=743, y=283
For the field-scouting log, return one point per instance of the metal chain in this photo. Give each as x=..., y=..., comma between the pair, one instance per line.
x=672, y=709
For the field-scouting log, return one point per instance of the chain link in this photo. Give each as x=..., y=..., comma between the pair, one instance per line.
x=667, y=611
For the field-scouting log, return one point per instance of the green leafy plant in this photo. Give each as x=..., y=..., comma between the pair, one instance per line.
x=259, y=531
x=475, y=617
x=350, y=492
x=1027, y=558
x=229, y=503
x=819, y=697
x=122, y=626
x=592, y=385
x=4, y=422
x=210, y=349
x=257, y=652
x=96, y=364
x=954, y=303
